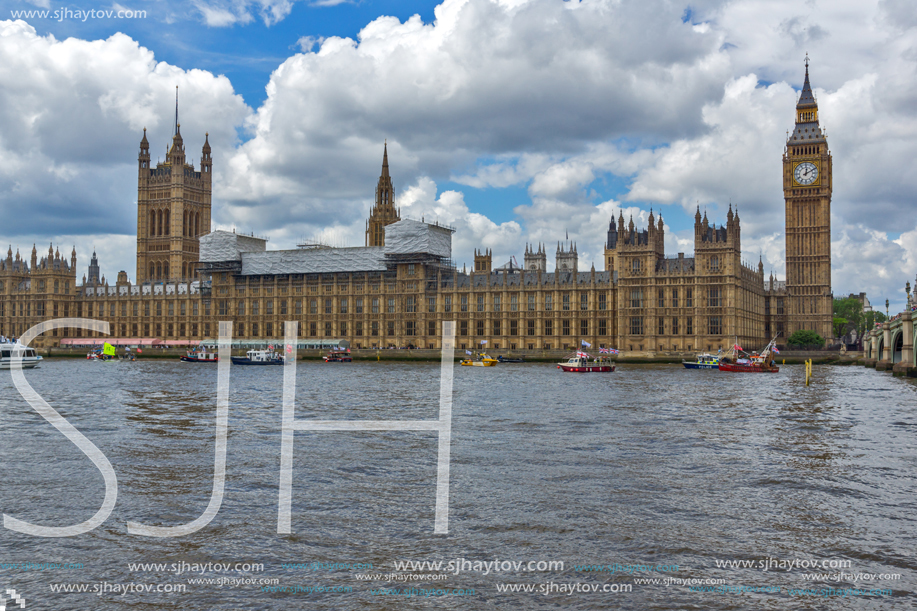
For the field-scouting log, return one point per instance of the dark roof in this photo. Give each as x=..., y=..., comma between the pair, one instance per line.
x=806, y=133
x=681, y=264
x=806, y=98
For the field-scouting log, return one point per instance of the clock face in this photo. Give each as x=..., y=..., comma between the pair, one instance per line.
x=805, y=173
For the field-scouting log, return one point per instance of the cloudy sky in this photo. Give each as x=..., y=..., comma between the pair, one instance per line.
x=514, y=120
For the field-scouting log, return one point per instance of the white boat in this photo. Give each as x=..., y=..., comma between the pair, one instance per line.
x=258, y=357
x=30, y=360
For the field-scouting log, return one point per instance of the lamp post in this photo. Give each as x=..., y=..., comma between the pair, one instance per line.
x=886, y=308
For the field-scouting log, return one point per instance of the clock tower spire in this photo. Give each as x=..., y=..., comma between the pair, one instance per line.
x=807, y=187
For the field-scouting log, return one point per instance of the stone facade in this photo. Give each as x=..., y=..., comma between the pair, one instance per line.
x=173, y=211
x=807, y=187
x=386, y=294
x=384, y=211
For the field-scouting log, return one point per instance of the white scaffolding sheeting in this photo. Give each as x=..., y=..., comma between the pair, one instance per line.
x=219, y=246
x=313, y=261
x=409, y=237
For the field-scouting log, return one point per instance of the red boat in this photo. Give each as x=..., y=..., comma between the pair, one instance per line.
x=580, y=364
x=338, y=356
x=754, y=363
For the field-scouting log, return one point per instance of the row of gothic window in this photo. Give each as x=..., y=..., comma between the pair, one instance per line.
x=160, y=223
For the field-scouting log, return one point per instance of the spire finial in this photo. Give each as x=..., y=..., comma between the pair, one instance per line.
x=176, y=110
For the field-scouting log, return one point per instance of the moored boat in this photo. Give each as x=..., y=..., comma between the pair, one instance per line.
x=752, y=363
x=30, y=360
x=338, y=356
x=258, y=357
x=200, y=356
x=480, y=360
x=504, y=359
x=703, y=361
x=580, y=363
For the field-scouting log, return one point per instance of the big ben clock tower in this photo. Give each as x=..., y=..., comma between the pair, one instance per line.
x=807, y=184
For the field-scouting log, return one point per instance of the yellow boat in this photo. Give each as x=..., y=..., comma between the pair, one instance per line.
x=480, y=360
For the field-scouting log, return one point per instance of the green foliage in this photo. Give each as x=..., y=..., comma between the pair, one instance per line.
x=871, y=318
x=852, y=310
x=840, y=326
x=804, y=337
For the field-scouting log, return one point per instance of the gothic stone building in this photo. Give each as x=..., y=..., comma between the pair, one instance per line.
x=399, y=288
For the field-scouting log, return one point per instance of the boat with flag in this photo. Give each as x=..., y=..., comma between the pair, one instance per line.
x=703, y=361
x=259, y=357
x=106, y=354
x=580, y=362
x=740, y=361
x=338, y=356
x=200, y=355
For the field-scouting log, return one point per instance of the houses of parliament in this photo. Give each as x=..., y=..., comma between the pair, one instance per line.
x=399, y=287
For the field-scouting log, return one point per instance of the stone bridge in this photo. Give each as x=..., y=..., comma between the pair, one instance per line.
x=891, y=345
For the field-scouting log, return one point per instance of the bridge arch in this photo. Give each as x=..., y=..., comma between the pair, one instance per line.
x=897, y=344
x=880, y=346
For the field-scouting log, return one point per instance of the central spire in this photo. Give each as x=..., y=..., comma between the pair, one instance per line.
x=176, y=124
x=385, y=159
x=806, y=97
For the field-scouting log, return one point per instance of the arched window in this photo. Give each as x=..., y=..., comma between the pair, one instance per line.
x=158, y=271
x=165, y=270
x=197, y=224
x=184, y=224
x=152, y=228
x=184, y=270
x=159, y=229
x=166, y=221
x=152, y=271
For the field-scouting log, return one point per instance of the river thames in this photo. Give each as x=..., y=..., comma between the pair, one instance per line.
x=731, y=491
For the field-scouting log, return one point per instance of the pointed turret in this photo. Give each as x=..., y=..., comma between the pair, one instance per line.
x=34, y=257
x=806, y=97
x=384, y=211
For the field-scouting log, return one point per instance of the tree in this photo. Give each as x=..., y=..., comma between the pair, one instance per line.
x=851, y=309
x=872, y=318
x=804, y=337
x=840, y=326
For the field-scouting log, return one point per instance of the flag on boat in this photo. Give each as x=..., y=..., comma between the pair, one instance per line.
x=737, y=347
x=108, y=349
x=582, y=354
x=603, y=350
x=775, y=350
x=468, y=352
x=587, y=344
x=612, y=351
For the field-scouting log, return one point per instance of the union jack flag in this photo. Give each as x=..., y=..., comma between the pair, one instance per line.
x=775, y=350
x=737, y=347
